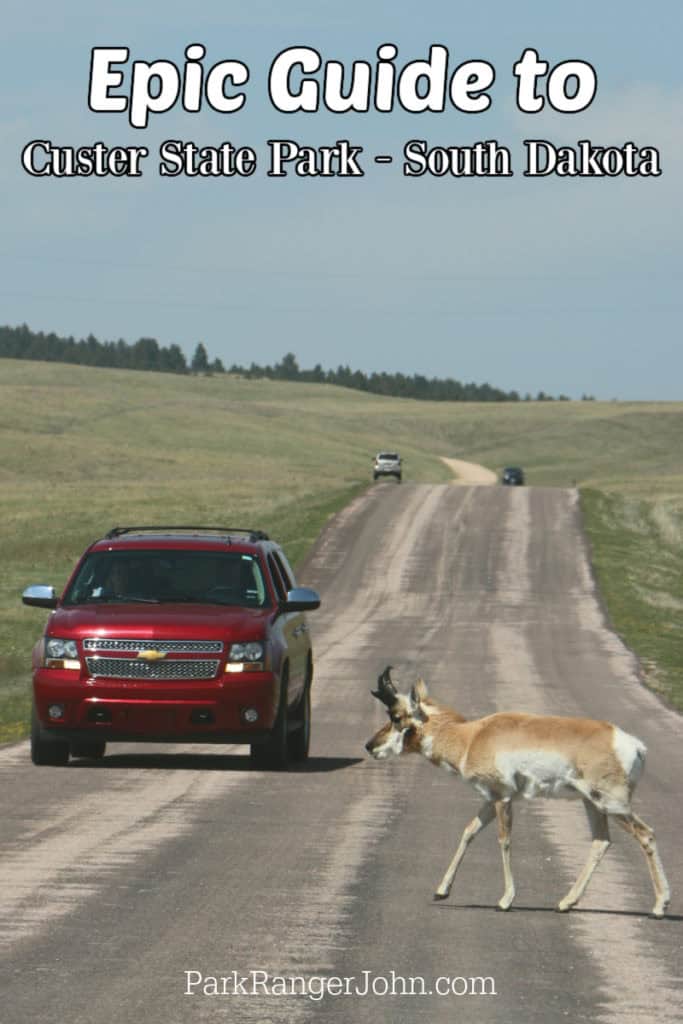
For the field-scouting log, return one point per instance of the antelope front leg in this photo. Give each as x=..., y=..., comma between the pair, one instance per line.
x=504, y=815
x=487, y=813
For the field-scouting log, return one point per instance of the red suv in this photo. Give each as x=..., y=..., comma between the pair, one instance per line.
x=175, y=634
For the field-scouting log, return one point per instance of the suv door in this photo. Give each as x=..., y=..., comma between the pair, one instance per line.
x=293, y=626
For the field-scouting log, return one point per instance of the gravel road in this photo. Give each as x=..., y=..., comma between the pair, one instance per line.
x=123, y=877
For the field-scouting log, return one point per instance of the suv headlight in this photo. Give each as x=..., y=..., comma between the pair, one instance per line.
x=247, y=657
x=61, y=653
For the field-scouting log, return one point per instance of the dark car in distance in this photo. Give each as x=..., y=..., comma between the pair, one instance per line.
x=513, y=476
x=175, y=634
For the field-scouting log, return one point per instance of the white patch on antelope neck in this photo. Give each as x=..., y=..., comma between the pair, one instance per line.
x=427, y=749
x=630, y=752
x=532, y=773
x=427, y=746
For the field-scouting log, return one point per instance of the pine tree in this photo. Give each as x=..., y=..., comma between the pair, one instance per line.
x=200, y=359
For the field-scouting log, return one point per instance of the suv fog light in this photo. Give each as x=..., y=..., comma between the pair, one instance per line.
x=56, y=711
x=250, y=715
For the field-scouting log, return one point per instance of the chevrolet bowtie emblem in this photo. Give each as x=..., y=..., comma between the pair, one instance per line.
x=152, y=655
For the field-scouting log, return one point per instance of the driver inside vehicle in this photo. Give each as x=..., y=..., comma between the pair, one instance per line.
x=118, y=580
x=131, y=579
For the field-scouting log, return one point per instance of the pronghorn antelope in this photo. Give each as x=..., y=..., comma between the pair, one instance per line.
x=508, y=755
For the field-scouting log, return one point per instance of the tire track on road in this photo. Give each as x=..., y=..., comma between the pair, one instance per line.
x=621, y=945
x=53, y=865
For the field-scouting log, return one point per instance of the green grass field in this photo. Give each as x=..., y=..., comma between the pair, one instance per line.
x=83, y=449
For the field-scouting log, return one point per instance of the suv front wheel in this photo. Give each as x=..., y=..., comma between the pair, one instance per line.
x=274, y=753
x=46, y=751
x=300, y=739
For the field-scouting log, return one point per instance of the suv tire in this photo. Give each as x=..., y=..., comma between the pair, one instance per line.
x=46, y=751
x=274, y=753
x=300, y=739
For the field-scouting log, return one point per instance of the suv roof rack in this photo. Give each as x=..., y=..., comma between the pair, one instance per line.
x=117, y=531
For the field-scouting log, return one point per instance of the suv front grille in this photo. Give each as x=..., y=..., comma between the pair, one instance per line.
x=134, y=646
x=134, y=668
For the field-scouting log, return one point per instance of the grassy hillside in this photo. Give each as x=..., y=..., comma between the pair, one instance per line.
x=82, y=449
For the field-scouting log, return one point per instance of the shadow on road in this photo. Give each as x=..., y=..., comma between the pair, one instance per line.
x=211, y=762
x=517, y=909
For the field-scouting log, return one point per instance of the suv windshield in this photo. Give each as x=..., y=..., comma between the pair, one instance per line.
x=202, y=577
x=388, y=456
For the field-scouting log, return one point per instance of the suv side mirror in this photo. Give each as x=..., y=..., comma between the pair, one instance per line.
x=301, y=599
x=40, y=596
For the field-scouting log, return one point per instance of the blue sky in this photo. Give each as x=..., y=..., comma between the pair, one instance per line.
x=565, y=286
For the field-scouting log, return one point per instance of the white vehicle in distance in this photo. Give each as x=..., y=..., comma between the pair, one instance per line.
x=387, y=464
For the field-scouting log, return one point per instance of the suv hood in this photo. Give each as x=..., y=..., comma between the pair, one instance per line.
x=159, y=622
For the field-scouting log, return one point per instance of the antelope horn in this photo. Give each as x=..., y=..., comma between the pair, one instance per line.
x=386, y=692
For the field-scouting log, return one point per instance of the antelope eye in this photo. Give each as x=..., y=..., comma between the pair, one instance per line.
x=396, y=719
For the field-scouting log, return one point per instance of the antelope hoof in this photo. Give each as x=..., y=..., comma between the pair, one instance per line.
x=659, y=911
x=505, y=903
x=564, y=905
x=438, y=895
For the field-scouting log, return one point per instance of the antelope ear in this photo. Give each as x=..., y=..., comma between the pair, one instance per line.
x=417, y=695
x=419, y=692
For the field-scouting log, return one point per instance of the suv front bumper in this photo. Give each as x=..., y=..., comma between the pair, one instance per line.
x=140, y=710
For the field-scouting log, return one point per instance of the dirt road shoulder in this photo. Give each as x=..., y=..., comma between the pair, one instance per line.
x=469, y=472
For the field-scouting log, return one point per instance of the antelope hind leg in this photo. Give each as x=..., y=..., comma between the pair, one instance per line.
x=646, y=838
x=601, y=842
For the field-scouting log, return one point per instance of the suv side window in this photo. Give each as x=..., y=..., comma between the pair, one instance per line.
x=285, y=570
x=280, y=587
